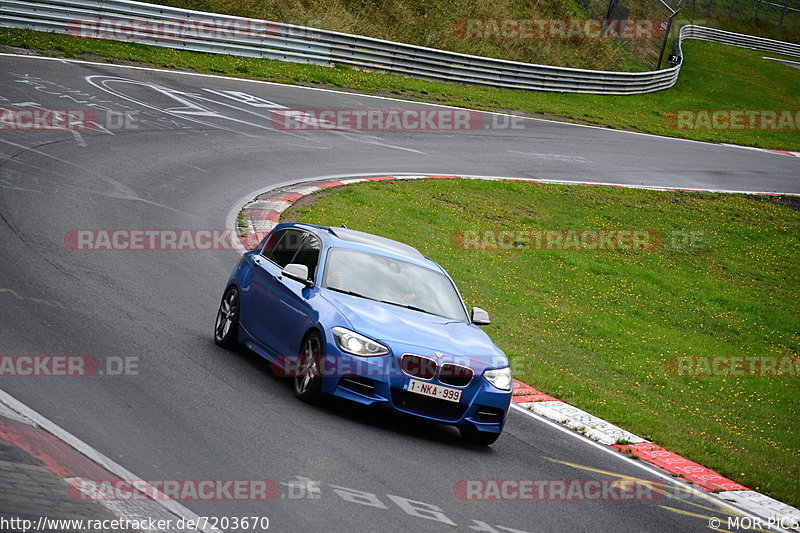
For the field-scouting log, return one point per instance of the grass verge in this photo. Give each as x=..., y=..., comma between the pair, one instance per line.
x=597, y=328
x=714, y=76
x=434, y=24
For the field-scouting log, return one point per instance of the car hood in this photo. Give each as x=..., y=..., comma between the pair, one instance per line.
x=405, y=329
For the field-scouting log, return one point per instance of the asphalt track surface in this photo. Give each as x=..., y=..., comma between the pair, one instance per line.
x=195, y=411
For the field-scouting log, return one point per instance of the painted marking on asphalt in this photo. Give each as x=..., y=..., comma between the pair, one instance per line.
x=762, y=505
x=415, y=508
x=74, y=461
x=303, y=87
x=553, y=157
x=121, y=191
x=683, y=493
x=49, y=303
x=611, y=451
x=79, y=139
x=84, y=455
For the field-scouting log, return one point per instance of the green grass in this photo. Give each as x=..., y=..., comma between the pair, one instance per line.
x=595, y=329
x=743, y=22
x=432, y=23
x=714, y=76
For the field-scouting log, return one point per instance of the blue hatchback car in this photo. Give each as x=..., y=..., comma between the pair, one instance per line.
x=368, y=319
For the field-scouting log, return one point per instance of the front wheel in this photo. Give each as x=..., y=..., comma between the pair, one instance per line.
x=308, y=381
x=226, y=327
x=481, y=438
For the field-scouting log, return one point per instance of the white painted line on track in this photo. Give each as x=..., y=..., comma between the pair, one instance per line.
x=131, y=510
x=362, y=95
x=639, y=464
x=759, y=504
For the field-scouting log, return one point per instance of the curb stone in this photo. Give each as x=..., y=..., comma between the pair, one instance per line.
x=593, y=427
x=260, y=215
x=762, y=505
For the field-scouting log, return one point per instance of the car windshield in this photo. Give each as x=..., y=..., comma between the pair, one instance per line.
x=392, y=281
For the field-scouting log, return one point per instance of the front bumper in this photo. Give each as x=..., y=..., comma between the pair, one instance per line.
x=380, y=381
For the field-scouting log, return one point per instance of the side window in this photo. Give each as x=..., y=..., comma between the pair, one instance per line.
x=272, y=240
x=284, y=248
x=308, y=254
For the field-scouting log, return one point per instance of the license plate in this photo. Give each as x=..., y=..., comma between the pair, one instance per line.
x=434, y=391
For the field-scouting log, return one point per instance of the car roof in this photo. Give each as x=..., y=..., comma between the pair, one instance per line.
x=376, y=241
x=342, y=237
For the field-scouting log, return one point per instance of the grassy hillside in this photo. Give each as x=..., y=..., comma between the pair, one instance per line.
x=431, y=23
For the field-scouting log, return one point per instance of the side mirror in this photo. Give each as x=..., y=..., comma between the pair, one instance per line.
x=297, y=272
x=480, y=317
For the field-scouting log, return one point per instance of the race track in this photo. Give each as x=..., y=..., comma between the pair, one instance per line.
x=196, y=411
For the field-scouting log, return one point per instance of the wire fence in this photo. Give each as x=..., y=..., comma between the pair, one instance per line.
x=780, y=12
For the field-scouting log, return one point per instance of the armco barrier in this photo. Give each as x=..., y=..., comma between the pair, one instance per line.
x=287, y=42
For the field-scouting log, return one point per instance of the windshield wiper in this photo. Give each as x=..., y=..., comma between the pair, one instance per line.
x=413, y=308
x=351, y=293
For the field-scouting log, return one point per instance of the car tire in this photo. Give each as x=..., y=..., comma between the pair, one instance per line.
x=226, y=326
x=308, y=381
x=481, y=438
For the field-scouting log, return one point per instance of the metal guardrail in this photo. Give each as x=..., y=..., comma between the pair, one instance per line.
x=739, y=39
x=224, y=34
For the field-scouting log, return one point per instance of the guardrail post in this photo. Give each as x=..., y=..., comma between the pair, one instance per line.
x=666, y=37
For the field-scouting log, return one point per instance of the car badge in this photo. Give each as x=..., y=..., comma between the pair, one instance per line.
x=438, y=354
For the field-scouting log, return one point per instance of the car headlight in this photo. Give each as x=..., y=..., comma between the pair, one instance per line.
x=499, y=377
x=351, y=342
